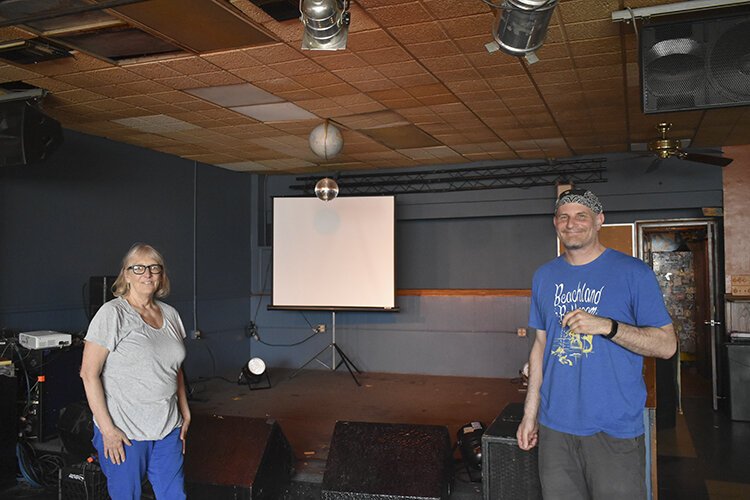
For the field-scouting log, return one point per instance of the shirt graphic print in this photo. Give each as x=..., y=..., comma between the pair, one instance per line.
x=569, y=347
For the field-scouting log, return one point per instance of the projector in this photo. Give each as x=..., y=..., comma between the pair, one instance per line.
x=43, y=339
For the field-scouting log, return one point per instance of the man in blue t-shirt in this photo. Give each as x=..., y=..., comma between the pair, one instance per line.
x=597, y=312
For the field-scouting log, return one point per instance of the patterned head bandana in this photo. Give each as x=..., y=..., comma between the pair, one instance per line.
x=581, y=196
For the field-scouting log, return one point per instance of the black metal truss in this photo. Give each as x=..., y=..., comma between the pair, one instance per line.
x=465, y=179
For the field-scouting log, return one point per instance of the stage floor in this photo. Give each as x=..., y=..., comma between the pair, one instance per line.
x=308, y=405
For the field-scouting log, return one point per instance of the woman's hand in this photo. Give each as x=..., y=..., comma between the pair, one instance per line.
x=113, y=445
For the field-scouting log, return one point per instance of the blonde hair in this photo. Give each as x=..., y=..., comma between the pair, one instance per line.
x=121, y=287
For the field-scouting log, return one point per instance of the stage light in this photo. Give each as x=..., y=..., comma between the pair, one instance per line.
x=326, y=189
x=326, y=140
x=326, y=24
x=255, y=375
x=469, y=441
x=521, y=28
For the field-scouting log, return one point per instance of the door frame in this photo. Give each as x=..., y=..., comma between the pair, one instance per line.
x=711, y=226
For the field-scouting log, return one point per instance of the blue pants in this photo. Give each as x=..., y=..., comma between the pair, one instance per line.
x=161, y=460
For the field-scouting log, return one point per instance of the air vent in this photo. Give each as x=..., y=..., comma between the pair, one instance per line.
x=31, y=51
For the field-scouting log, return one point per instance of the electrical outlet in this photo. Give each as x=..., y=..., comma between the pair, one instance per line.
x=521, y=332
x=321, y=328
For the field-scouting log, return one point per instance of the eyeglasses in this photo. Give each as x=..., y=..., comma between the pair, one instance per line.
x=140, y=268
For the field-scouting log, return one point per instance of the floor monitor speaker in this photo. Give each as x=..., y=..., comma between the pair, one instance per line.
x=696, y=64
x=508, y=472
x=372, y=461
x=236, y=458
x=27, y=135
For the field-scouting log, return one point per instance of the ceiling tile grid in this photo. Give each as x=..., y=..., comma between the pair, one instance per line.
x=414, y=86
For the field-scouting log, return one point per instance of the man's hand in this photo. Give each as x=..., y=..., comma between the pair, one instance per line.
x=527, y=433
x=183, y=431
x=581, y=322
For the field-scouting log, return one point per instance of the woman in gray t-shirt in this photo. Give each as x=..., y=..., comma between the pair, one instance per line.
x=134, y=383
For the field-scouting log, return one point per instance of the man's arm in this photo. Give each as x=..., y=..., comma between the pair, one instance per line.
x=659, y=342
x=528, y=430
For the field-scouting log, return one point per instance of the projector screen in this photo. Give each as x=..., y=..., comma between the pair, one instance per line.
x=337, y=254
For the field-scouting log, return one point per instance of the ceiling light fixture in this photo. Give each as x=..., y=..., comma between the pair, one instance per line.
x=673, y=8
x=521, y=27
x=326, y=24
x=326, y=140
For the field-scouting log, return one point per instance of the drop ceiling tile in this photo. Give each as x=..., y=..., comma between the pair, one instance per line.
x=418, y=33
x=340, y=61
x=430, y=49
x=181, y=82
x=468, y=26
x=233, y=59
x=275, y=112
x=297, y=67
x=298, y=95
x=190, y=65
x=315, y=80
x=592, y=29
x=373, y=85
x=51, y=84
x=144, y=87
x=218, y=78
x=234, y=95
x=337, y=90
x=449, y=9
x=356, y=75
x=446, y=63
x=414, y=80
x=457, y=75
x=400, y=14
x=386, y=55
x=275, y=53
x=152, y=70
x=369, y=40
x=256, y=73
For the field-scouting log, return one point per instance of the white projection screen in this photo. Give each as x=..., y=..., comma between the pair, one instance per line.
x=337, y=254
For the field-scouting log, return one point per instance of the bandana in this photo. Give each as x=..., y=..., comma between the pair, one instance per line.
x=581, y=196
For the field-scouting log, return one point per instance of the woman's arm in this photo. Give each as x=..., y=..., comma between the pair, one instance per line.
x=94, y=357
x=182, y=402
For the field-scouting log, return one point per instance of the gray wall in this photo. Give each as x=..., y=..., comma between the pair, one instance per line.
x=76, y=214
x=476, y=239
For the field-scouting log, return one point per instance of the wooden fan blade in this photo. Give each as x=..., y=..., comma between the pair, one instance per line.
x=655, y=163
x=719, y=161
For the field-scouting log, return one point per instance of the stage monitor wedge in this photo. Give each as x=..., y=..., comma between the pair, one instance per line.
x=27, y=135
x=334, y=255
x=696, y=64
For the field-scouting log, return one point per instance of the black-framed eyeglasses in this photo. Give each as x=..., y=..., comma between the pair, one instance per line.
x=140, y=268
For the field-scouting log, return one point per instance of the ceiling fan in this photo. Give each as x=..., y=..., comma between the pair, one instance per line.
x=664, y=148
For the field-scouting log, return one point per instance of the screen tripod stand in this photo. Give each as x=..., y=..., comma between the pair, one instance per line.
x=334, y=349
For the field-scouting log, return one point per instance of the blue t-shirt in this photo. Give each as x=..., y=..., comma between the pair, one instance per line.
x=591, y=384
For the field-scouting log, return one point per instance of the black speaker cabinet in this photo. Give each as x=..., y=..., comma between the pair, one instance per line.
x=508, y=472
x=236, y=458
x=8, y=426
x=58, y=383
x=75, y=426
x=372, y=461
x=83, y=481
x=696, y=64
x=28, y=135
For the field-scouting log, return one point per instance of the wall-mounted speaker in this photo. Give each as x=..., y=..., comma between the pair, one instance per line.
x=27, y=135
x=697, y=64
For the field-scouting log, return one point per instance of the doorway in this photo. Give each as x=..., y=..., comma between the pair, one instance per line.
x=683, y=254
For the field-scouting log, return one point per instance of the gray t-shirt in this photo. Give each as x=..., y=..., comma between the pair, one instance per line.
x=140, y=373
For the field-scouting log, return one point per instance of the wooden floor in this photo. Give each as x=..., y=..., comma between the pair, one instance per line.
x=705, y=455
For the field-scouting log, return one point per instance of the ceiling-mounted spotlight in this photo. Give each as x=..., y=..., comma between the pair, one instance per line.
x=521, y=27
x=326, y=140
x=326, y=189
x=326, y=24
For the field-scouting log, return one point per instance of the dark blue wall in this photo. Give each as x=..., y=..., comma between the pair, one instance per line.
x=76, y=214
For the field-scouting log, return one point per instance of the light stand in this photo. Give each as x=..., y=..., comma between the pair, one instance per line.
x=334, y=349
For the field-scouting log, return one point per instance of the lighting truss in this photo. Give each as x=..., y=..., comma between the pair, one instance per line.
x=547, y=173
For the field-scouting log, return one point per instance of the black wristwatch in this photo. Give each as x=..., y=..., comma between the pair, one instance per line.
x=613, y=331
